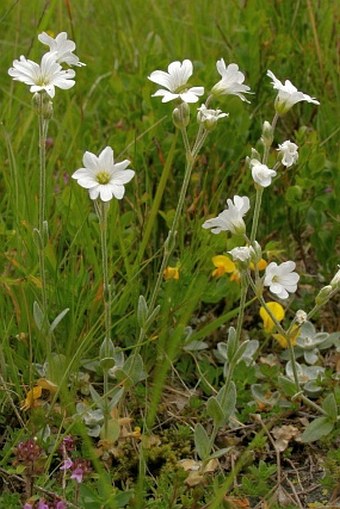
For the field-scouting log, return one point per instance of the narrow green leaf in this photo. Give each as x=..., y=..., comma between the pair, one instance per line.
x=96, y=398
x=231, y=344
x=58, y=319
x=330, y=406
x=320, y=427
x=226, y=397
x=116, y=395
x=142, y=311
x=38, y=315
x=202, y=442
x=215, y=411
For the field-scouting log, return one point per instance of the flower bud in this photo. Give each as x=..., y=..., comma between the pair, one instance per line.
x=181, y=116
x=335, y=283
x=43, y=105
x=267, y=134
x=323, y=295
x=254, y=154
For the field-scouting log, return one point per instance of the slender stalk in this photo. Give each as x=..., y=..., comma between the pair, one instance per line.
x=259, y=189
x=102, y=211
x=44, y=112
x=256, y=216
x=104, y=208
x=170, y=241
x=243, y=297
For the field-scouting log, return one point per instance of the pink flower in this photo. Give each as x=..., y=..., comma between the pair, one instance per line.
x=42, y=505
x=67, y=464
x=78, y=474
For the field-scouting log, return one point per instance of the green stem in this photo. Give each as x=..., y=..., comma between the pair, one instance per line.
x=42, y=224
x=281, y=330
x=256, y=216
x=244, y=291
x=170, y=241
x=102, y=210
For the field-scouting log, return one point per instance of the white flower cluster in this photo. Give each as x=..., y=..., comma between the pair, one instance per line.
x=49, y=73
x=175, y=86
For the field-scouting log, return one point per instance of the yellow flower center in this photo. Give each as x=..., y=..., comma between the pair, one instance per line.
x=103, y=177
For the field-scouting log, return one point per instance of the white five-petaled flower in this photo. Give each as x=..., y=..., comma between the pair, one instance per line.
x=231, y=219
x=209, y=117
x=175, y=83
x=46, y=76
x=281, y=279
x=288, y=95
x=231, y=82
x=261, y=174
x=288, y=153
x=102, y=176
x=242, y=254
x=63, y=47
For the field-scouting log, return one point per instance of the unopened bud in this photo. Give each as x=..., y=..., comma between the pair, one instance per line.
x=43, y=105
x=323, y=295
x=181, y=116
x=335, y=283
x=254, y=155
x=267, y=134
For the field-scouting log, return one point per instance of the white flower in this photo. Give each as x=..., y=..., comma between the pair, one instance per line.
x=288, y=95
x=209, y=117
x=231, y=82
x=102, y=177
x=175, y=82
x=288, y=152
x=62, y=46
x=261, y=174
x=46, y=76
x=242, y=254
x=231, y=218
x=281, y=279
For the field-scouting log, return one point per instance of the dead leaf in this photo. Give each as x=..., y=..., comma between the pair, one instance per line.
x=283, y=435
x=237, y=503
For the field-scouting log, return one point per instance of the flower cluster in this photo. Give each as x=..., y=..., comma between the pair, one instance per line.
x=175, y=86
x=79, y=468
x=47, y=75
x=28, y=452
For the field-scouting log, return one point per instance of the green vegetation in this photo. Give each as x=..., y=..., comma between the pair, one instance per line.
x=188, y=417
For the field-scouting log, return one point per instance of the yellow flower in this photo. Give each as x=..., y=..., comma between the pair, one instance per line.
x=276, y=310
x=261, y=265
x=171, y=273
x=292, y=336
x=223, y=266
x=31, y=398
